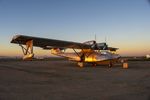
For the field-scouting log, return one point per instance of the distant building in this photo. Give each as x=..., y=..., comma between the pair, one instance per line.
x=148, y=56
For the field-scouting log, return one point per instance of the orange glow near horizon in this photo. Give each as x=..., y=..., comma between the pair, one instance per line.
x=17, y=51
x=40, y=52
x=133, y=48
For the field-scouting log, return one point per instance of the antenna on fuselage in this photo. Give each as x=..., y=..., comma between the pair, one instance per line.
x=105, y=39
x=95, y=37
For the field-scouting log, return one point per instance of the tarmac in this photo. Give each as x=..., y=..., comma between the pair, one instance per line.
x=63, y=80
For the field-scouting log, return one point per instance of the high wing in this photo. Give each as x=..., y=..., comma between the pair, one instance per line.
x=46, y=43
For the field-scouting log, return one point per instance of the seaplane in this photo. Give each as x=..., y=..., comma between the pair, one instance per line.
x=87, y=52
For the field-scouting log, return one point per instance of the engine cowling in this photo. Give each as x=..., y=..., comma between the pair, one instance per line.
x=97, y=46
x=101, y=46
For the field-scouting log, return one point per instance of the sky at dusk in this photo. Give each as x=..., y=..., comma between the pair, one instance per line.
x=124, y=23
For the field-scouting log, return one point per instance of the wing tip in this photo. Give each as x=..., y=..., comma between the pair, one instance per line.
x=14, y=38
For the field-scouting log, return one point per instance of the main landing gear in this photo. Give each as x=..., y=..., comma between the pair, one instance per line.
x=110, y=64
x=80, y=64
x=82, y=59
x=94, y=64
x=28, y=50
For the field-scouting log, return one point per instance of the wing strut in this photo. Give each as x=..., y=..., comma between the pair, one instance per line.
x=76, y=52
x=27, y=50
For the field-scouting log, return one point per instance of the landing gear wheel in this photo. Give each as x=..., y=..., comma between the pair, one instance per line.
x=82, y=58
x=110, y=64
x=80, y=64
x=94, y=64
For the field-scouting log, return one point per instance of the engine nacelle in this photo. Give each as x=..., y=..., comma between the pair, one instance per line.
x=101, y=46
x=90, y=42
x=97, y=46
